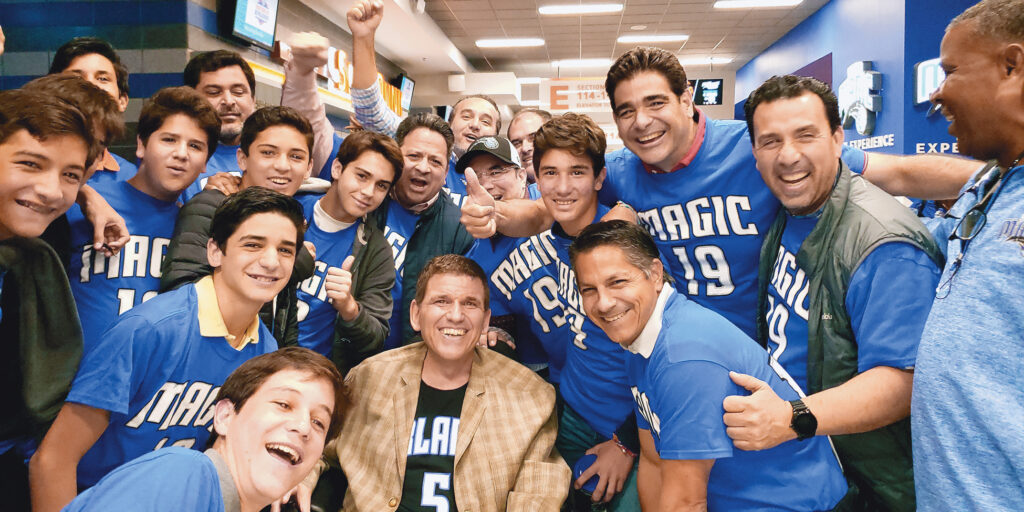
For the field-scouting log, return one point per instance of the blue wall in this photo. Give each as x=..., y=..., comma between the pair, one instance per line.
x=893, y=35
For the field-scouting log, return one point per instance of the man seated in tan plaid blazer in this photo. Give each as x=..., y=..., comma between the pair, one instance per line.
x=444, y=424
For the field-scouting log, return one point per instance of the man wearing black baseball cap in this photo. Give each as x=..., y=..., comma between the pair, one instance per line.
x=497, y=166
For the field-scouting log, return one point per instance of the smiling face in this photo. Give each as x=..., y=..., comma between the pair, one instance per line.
x=278, y=159
x=359, y=187
x=99, y=71
x=978, y=96
x=473, y=118
x=277, y=436
x=450, y=317
x=521, y=132
x=228, y=91
x=796, y=151
x=500, y=179
x=426, y=165
x=569, y=188
x=653, y=122
x=618, y=296
x=257, y=260
x=171, y=159
x=39, y=181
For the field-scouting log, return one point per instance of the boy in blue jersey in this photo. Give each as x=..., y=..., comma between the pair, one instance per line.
x=679, y=369
x=176, y=133
x=96, y=61
x=693, y=184
x=46, y=145
x=151, y=380
x=845, y=252
x=472, y=116
x=344, y=308
x=276, y=144
x=419, y=219
x=273, y=417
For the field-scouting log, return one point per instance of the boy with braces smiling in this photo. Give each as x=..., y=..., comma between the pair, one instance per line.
x=152, y=378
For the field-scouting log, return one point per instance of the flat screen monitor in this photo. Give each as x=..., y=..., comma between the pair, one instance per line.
x=707, y=91
x=407, y=86
x=256, y=22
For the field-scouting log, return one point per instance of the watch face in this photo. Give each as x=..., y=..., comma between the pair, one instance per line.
x=805, y=424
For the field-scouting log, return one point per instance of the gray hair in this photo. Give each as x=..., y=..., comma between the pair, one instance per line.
x=1002, y=20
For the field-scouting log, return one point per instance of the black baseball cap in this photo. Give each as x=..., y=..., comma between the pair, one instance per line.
x=497, y=146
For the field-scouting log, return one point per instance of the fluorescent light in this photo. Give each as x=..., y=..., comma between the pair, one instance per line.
x=528, y=80
x=581, y=63
x=755, y=4
x=703, y=61
x=529, y=103
x=580, y=8
x=653, y=38
x=519, y=42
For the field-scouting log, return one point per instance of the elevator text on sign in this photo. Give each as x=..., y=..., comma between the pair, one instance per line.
x=575, y=95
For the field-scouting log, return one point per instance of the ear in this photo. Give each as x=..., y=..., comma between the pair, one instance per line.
x=1012, y=60
x=140, y=148
x=213, y=253
x=838, y=136
x=599, y=179
x=336, y=170
x=414, y=313
x=658, y=274
x=223, y=414
x=309, y=167
x=686, y=100
x=240, y=156
x=122, y=103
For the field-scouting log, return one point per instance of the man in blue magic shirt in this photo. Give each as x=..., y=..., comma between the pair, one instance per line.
x=345, y=306
x=681, y=354
x=472, y=116
x=177, y=129
x=847, y=278
x=153, y=377
x=693, y=183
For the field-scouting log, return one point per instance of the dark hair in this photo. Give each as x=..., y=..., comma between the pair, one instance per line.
x=429, y=121
x=488, y=99
x=634, y=242
x=362, y=141
x=1002, y=20
x=179, y=100
x=247, y=379
x=791, y=86
x=645, y=58
x=92, y=101
x=543, y=114
x=248, y=202
x=44, y=115
x=79, y=46
x=267, y=117
x=576, y=133
x=207, y=62
x=451, y=264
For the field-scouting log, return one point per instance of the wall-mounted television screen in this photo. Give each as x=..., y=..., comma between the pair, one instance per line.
x=407, y=86
x=707, y=91
x=255, y=21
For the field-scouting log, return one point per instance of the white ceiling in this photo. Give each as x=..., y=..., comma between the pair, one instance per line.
x=739, y=34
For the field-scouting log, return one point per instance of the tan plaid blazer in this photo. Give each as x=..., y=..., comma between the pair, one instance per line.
x=505, y=457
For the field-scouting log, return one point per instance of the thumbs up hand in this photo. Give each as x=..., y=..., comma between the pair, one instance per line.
x=478, y=210
x=338, y=283
x=757, y=421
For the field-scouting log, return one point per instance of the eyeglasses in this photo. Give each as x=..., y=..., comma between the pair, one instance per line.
x=496, y=174
x=992, y=178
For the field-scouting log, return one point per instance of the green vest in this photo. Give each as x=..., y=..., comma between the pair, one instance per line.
x=857, y=218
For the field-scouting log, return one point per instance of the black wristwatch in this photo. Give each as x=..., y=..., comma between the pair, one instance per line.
x=804, y=423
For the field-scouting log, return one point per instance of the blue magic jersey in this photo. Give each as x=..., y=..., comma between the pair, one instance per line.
x=124, y=172
x=679, y=386
x=888, y=300
x=158, y=377
x=708, y=218
x=224, y=159
x=455, y=183
x=107, y=287
x=166, y=480
x=594, y=378
x=398, y=230
x=316, y=314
